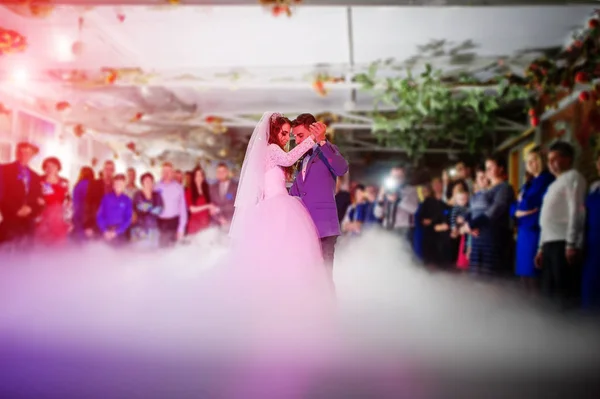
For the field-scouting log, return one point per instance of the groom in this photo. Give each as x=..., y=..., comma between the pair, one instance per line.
x=316, y=181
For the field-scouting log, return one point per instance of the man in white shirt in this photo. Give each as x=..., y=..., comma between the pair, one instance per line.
x=562, y=223
x=222, y=195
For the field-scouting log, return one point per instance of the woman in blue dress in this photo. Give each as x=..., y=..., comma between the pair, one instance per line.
x=490, y=224
x=527, y=215
x=590, y=290
x=418, y=232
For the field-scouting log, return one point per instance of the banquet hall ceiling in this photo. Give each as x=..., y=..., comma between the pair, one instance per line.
x=176, y=67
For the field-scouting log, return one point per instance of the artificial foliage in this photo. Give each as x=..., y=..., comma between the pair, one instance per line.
x=417, y=112
x=573, y=70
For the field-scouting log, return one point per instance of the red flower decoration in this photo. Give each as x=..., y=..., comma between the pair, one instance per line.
x=11, y=42
x=137, y=117
x=62, y=106
x=110, y=75
x=584, y=96
x=581, y=77
x=213, y=120
x=79, y=130
x=593, y=23
x=535, y=121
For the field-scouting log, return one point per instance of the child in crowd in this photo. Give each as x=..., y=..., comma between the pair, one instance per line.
x=458, y=219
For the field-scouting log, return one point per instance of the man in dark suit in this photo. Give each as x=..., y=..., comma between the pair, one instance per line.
x=222, y=195
x=20, y=197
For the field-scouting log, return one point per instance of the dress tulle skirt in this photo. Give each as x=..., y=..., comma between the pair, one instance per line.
x=276, y=273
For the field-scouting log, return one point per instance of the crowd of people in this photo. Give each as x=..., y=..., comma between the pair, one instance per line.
x=547, y=234
x=116, y=208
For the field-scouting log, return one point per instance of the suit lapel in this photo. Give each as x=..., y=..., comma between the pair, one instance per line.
x=311, y=160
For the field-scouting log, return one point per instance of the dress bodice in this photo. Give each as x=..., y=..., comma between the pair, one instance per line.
x=275, y=182
x=278, y=159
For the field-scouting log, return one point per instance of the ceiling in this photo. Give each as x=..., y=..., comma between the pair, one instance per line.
x=179, y=68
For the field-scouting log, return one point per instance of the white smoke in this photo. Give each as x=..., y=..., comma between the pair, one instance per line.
x=172, y=304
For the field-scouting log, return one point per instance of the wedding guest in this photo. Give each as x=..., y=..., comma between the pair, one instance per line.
x=223, y=194
x=459, y=217
x=562, y=223
x=490, y=224
x=147, y=205
x=591, y=269
x=173, y=218
x=86, y=176
x=417, y=241
x=397, y=204
x=527, y=214
x=349, y=225
x=115, y=212
x=433, y=218
x=187, y=179
x=476, y=201
x=463, y=174
x=131, y=188
x=96, y=191
x=198, y=201
x=364, y=214
x=343, y=198
x=20, y=198
x=52, y=228
x=179, y=176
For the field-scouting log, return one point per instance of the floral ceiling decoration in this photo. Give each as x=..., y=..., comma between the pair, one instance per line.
x=554, y=79
x=31, y=8
x=321, y=79
x=280, y=7
x=11, y=42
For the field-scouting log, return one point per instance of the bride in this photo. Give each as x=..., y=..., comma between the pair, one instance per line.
x=274, y=242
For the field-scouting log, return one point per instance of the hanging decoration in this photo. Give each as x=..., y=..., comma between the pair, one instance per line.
x=320, y=80
x=31, y=8
x=4, y=110
x=137, y=117
x=215, y=124
x=11, y=42
x=110, y=75
x=280, y=7
x=78, y=130
x=94, y=162
x=63, y=106
x=554, y=79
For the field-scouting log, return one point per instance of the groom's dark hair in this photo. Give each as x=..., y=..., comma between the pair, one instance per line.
x=304, y=120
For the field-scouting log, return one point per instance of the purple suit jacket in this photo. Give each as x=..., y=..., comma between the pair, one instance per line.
x=317, y=189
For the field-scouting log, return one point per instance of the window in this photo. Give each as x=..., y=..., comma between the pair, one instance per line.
x=5, y=152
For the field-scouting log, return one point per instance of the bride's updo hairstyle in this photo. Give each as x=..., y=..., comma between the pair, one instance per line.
x=275, y=125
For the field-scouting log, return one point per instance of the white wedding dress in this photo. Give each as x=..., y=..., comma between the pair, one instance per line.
x=275, y=252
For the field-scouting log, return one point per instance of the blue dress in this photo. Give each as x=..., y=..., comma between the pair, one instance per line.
x=418, y=234
x=490, y=214
x=528, y=227
x=590, y=290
